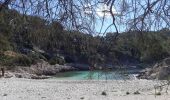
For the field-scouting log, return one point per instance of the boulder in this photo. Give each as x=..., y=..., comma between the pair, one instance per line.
x=159, y=71
x=8, y=75
x=164, y=73
x=41, y=68
x=166, y=61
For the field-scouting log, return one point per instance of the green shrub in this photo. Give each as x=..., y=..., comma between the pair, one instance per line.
x=35, y=57
x=136, y=92
x=4, y=43
x=20, y=60
x=57, y=60
x=127, y=93
x=4, y=60
x=158, y=93
x=104, y=93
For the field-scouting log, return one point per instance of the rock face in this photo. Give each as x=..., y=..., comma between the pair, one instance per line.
x=41, y=70
x=159, y=71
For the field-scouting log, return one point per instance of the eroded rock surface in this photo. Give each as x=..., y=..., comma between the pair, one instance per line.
x=41, y=70
x=159, y=71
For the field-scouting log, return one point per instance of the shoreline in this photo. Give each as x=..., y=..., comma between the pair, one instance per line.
x=51, y=89
x=36, y=72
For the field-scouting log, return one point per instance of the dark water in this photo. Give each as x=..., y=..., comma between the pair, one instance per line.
x=97, y=75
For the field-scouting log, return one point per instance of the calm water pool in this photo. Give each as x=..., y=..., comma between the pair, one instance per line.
x=96, y=75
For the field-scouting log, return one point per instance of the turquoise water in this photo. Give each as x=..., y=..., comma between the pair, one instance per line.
x=95, y=75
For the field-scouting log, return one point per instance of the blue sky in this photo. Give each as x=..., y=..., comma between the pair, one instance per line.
x=107, y=20
x=98, y=10
x=99, y=14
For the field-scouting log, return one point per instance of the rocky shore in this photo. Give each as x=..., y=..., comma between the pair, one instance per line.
x=41, y=70
x=160, y=71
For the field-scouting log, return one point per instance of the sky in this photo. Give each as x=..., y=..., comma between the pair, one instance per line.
x=107, y=19
x=100, y=11
x=152, y=20
x=99, y=14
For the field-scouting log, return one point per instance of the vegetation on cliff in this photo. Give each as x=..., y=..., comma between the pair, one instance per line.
x=33, y=38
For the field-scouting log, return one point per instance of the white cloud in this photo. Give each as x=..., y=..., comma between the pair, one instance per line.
x=87, y=9
x=103, y=10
